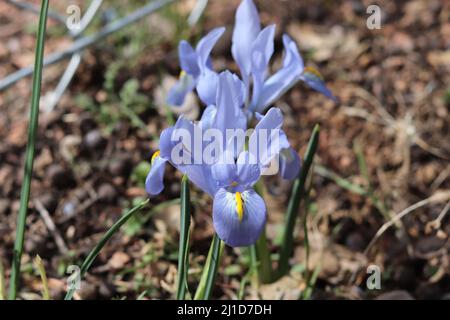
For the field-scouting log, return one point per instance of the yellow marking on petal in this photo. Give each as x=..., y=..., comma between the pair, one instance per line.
x=314, y=71
x=234, y=184
x=182, y=74
x=154, y=156
x=239, y=206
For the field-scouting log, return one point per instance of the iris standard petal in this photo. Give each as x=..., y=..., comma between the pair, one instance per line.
x=246, y=29
x=178, y=92
x=205, y=46
x=262, y=51
x=289, y=164
x=233, y=230
x=267, y=140
x=154, y=181
x=188, y=58
x=208, y=116
x=314, y=80
x=229, y=111
x=166, y=143
x=283, y=79
x=248, y=171
x=224, y=173
x=230, y=119
x=200, y=175
x=207, y=86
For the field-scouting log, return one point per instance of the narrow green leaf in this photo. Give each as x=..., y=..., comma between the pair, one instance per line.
x=40, y=266
x=206, y=285
x=305, y=229
x=183, y=253
x=94, y=252
x=2, y=281
x=264, y=264
x=362, y=163
x=342, y=182
x=30, y=151
x=306, y=294
x=261, y=250
x=298, y=192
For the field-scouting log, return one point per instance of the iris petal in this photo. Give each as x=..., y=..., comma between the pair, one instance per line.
x=246, y=29
x=188, y=58
x=205, y=46
x=229, y=228
x=224, y=173
x=268, y=139
x=178, y=92
x=154, y=181
x=284, y=78
x=166, y=143
x=262, y=51
x=315, y=81
x=201, y=176
x=248, y=171
x=289, y=164
x=229, y=112
x=208, y=116
x=207, y=86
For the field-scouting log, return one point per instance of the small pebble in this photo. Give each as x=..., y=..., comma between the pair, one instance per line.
x=395, y=295
x=107, y=193
x=49, y=201
x=355, y=241
x=4, y=206
x=60, y=177
x=94, y=140
x=120, y=166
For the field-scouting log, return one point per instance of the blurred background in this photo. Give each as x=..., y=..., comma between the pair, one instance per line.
x=383, y=148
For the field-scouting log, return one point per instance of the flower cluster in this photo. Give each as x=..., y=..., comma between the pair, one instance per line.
x=235, y=165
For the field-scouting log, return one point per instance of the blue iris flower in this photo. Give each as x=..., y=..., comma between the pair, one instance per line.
x=253, y=48
x=196, y=69
x=239, y=213
x=229, y=176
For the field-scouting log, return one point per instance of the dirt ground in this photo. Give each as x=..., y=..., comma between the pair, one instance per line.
x=93, y=151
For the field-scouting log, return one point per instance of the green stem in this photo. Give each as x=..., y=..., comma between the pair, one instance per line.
x=264, y=263
x=2, y=281
x=306, y=235
x=206, y=285
x=263, y=258
x=30, y=151
x=94, y=252
x=298, y=192
x=185, y=220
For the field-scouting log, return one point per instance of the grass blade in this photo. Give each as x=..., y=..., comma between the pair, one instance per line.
x=342, y=182
x=206, y=284
x=298, y=192
x=94, y=252
x=183, y=253
x=306, y=294
x=304, y=219
x=40, y=266
x=2, y=281
x=30, y=151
